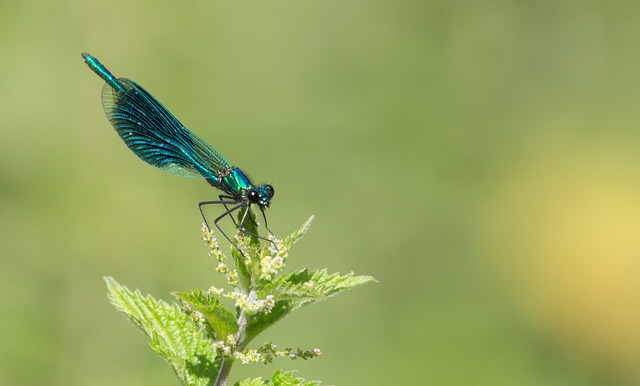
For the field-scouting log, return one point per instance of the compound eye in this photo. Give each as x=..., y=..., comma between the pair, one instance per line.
x=270, y=190
x=253, y=196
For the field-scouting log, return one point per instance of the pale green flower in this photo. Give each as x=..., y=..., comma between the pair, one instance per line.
x=215, y=291
x=251, y=356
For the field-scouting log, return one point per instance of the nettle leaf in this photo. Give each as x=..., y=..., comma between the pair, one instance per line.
x=257, y=323
x=249, y=243
x=298, y=234
x=307, y=287
x=173, y=335
x=286, y=378
x=292, y=292
x=221, y=321
x=280, y=378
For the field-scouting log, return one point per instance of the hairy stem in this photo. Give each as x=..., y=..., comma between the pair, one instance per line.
x=223, y=375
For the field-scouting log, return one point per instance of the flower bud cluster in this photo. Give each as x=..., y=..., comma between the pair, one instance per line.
x=251, y=304
x=273, y=261
x=224, y=348
x=268, y=351
x=265, y=353
x=215, y=251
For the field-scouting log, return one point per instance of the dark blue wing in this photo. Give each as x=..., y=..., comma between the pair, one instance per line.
x=156, y=136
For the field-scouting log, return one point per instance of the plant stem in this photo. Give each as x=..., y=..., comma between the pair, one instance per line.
x=225, y=368
x=223, y=375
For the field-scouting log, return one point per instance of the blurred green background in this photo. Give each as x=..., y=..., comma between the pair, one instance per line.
x=480, y=159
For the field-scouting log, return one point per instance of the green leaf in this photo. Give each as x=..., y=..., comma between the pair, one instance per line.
x=257, y=323
x=297, y=235
x=249, y=225
x=250, y=245
x=221, y=322
x=278, y=379
x=304, y=287
x=252, y=382
x=292, y=292
x=173, y=335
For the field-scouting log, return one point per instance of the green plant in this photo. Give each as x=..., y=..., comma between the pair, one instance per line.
x=201, y=338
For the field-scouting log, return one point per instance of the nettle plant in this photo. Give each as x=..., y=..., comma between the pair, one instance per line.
x=209, y=330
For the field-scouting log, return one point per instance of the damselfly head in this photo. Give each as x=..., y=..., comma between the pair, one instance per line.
x=261, y=195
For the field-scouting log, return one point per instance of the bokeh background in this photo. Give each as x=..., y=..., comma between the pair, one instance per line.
x=480, y=159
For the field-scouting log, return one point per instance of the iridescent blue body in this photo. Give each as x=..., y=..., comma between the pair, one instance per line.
x=159, y=139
